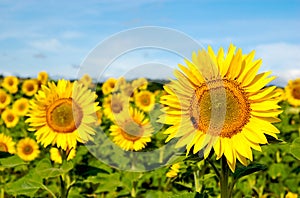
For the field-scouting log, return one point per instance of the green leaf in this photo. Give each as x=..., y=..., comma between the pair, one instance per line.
x=27, y=185
x=295, y=148
x=45, y=169
x=190, y=195
x=243, y=171
x=277, y=170
x=5, y=154
x=10, y=162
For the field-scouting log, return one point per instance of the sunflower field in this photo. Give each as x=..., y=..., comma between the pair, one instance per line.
x=219, y=128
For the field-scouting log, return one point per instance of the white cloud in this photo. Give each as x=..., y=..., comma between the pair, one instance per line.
x=282, y=58
x=47, y=45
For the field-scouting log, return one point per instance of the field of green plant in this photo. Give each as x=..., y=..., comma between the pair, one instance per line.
x=84, y=139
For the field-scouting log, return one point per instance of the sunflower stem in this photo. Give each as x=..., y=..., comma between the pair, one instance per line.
x=224, y=179
x=197, y=180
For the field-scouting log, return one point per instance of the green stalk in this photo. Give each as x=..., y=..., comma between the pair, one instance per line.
x=197, y=181
x=224, y=179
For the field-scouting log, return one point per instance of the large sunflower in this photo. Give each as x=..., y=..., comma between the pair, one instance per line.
x=10, y=83
x=145, y=100
x=131, y=132
x=21, y=106
x=10, y=118
x=7, y=144
x=28, y=149
x=63, y=114
x=30, y=87
x=221, y=103
x=292, y=91
x=5, y=99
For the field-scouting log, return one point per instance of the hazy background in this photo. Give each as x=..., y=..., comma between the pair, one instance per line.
x=56, y=36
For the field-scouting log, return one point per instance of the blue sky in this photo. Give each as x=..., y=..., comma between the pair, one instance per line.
x=57, y=36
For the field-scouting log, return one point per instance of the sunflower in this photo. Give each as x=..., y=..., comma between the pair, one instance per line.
x=86, y=80
x=28, y=149
x=30, y=87
x=282, y=95
x=99, y=114
x=42, y=77
x=174, y=170
x=55, y=155
x=114, y=104
x=10, y=83
x=221, y=103
x=7, y=144
x=132, y=131
x=108, y=86
x=5, y=99
x=63, y=114
x=145, y=100
x=21, y=106
x=140, y=83
x=292, y=91
x=10, y=118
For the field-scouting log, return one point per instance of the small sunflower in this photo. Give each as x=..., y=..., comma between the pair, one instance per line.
x=63, y=114
x=292, y=91
x=86, y=80
x=132, y=132
x=55, y=155
x=140, y=84
x=174, y=170
x=108, y=86
x=99, y=114
x=30, y=87
x=7, y=144
x=21, y=106
x=5, y=99
x=145, y=100
x=28, y=149
x=10, y=118
x=42, y=77
x=114, y=104
x=10, y=83
x=221, y=103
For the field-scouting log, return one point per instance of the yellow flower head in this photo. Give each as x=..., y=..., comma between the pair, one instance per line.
x=174, y=170
x=7, y=144
x=10, y=118
x=5, y=99
x=145, y=100
x=140, y=84
x=55, y=155
x=132, y=131
x=86, y=80
x=114, y=104
x=291, y=195
x=292, y=91
x=42, y=77
x=28, y=149
x=10, y=83
x=221, y=102
x=63, y=114
x=21, y=106
x=30, y=87
x=99, y=117
x=108, y=86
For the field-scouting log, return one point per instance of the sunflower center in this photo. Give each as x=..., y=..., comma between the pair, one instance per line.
x=220, y=108
x=10, y=82
x=145, y=100
x=116, y=107
x=2, y=98
x=3, y=147
x=10, y=117
x=21, y=107
x=27, y=150
x=30, y=87
x=132, y=131
x=64, y=115
x=296, y=92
